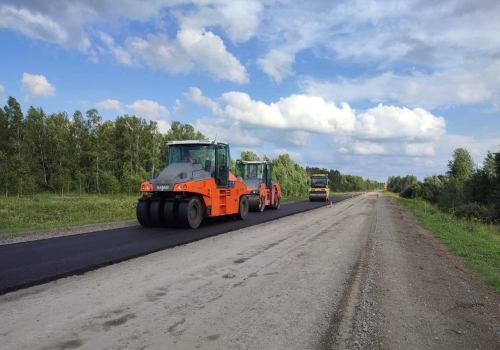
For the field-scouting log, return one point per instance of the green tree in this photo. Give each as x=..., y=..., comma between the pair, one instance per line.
x=461, y=166
x=249, y=156
x=432, y=187
x=292, y=177
x=19, y=179
x=179, y=131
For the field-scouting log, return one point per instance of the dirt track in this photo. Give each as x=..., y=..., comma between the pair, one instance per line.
x=359, y=275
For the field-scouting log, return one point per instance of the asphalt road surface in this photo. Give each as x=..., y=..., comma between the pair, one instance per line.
x=29, y=263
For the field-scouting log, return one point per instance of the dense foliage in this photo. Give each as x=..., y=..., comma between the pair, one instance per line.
x=466, y=191
x=57, y=153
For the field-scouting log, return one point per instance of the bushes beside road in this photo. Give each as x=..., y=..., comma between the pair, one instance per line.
x=466, y=191
x=477, y=243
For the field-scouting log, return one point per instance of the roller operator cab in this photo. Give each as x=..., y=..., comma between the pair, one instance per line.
x=320, y=189
x=196, y=184
x=262, y=190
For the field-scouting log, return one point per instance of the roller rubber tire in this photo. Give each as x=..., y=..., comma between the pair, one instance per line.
x=262, y=204
x=243, y=208
x=171, y=213
x=190, y=212
x=156, y=214
x=142, y=212
x=277, y=203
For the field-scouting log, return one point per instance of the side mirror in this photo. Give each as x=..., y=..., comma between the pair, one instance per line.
x=147, y=166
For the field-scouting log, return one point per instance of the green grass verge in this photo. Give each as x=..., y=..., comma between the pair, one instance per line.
x=49, y=211
x=478, y=243
x=46, y=211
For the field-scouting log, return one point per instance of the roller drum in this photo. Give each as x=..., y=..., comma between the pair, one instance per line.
x=317, y=196
x=254, y=203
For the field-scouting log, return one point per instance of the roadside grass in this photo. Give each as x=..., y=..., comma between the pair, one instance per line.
x=478, y=243
x=45, y=211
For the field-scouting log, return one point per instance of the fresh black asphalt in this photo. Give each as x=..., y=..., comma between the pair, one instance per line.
x=36, y=262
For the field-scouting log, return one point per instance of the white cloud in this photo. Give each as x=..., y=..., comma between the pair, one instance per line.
x=419, y=149
x=295, y=120
x=1, y=88
x=294, y=113
x=159, y=52
x=228, y=131
x=122, y=56
x=368, y=148
x=277, y=64
x=295, y=156
x=238, y=18
x=42, y=26
x=190, y=48
x=93, y=56
x=389, y=122
x=195, y=95
x=209, y=51
x=443, y=89
x=149, y=110
x=37, y=86
x=179, y=108
x=477, y=147
x=312, y=114
x=110, y=104
x=292, y=138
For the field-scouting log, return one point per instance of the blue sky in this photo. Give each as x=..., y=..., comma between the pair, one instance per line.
x=371, y=88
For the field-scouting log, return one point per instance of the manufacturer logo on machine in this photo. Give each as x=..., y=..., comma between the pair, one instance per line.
x=163, y=187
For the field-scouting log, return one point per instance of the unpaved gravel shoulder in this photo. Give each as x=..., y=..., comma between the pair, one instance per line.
x=8, y=238
x=418, y=295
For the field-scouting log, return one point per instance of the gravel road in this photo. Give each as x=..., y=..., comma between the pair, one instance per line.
x=360, y=275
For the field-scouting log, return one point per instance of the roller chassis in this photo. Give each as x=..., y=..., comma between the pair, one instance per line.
x=319, y=191
x=186, y=192
x=262, y=191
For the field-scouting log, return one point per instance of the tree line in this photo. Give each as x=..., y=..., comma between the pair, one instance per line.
x=82, y=153
x=466, y=190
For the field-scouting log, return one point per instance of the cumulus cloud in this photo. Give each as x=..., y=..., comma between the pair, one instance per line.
x=110, y=104
x=277, y=64
x=238, y=18
x=209, y=51
x=121, y=55
x=295, y=156
x=389, y=122
x=294, y=113
x=179, y=108
x=228, y=131
x=1, y=88
x=159, y=52
x=293, y=120
x=441, y=89
x=149, y=110
x=42, y=26
x=290, y=138
x=195, y=95
x=189, y=49
x=37, y=86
